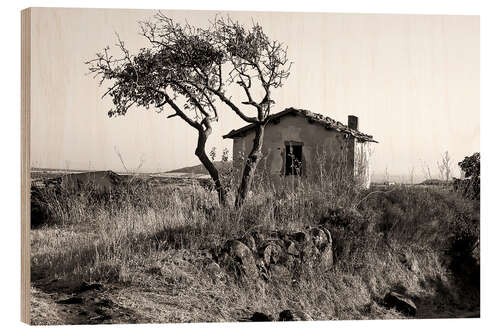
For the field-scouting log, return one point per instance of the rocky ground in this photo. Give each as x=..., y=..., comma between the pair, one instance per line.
x=192, y=286
x=163, y=251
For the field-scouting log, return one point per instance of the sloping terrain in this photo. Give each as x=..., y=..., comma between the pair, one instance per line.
x=200, y=169
x=169, y=253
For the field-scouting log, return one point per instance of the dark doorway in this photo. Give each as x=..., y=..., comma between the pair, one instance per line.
x=293, y=161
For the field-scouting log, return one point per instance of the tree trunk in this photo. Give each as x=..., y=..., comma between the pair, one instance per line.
x=207, y=163
x=250, y=166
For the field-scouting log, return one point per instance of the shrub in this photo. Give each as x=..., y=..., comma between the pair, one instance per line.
x=471, y=186
x=341, y=218
x=429, y=219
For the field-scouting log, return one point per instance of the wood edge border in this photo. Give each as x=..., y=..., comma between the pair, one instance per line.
x=25, y=163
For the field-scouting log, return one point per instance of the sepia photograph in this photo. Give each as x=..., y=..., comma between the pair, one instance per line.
x=187, y=166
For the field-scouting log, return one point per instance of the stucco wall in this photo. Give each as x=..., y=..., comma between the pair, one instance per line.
x=362, y=162
x=317, y=141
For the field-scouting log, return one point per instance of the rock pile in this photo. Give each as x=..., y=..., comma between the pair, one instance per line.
x=277, y=254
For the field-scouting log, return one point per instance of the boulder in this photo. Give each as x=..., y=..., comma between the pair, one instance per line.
x=401, y=303
x=309, y=253
x=294, y=315
x=319, y=238
x=237, y=257
x=327, y=232
x=273, y=254
x=299, y=237
x=291, y=249
x=326, y=258
x=249, y=241
x=258, y=237
x=259, y=316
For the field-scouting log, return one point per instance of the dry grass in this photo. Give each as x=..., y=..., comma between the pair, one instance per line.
x=43, y=309
x=153, y=247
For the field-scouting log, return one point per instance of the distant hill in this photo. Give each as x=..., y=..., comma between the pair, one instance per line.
x=435, y=182
x=200, y=169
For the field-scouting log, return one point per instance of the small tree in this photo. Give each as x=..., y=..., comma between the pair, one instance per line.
x=180, y=70
x=257, y=64
x=445, y=166
x=426, y=170
x=412, y=175
x=471, y=165
x=188, y=68
x=471, y=186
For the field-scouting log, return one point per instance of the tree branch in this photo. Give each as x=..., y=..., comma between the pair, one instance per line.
x=228, y=102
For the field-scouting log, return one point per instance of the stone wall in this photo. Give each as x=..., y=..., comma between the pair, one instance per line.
x=277, y=254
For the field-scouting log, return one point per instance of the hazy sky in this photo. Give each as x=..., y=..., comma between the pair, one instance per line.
x=413, y=81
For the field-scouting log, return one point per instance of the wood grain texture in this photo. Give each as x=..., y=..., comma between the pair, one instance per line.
x=25, y=162
x=412, y=81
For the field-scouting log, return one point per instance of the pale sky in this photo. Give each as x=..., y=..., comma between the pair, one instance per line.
x=413, y=81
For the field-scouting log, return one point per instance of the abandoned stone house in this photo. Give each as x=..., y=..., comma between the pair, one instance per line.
x=298, y=143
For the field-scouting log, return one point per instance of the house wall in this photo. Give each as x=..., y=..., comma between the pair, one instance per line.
x=362, y=162
x=317, y=141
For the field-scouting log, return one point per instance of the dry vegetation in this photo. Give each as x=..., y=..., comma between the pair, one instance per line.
x=151, y=250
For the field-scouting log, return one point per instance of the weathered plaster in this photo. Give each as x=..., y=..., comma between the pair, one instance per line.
x=362, y=162
x=315, y=138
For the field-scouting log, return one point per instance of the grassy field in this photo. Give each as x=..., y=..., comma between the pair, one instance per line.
x=146, y=255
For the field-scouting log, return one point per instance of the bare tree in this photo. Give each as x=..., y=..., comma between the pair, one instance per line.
x=412, y=175
x=257, y=64
x=180, y=70
x=426, y=170
x=445, y=166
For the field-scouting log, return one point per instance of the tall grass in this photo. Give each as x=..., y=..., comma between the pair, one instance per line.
x=376, y=235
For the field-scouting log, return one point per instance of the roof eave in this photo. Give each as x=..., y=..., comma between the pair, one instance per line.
x=359, y=135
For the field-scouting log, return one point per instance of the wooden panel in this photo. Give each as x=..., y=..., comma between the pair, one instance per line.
x=25, y=162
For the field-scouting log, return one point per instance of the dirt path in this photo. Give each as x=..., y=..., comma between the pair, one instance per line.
x=62, y=302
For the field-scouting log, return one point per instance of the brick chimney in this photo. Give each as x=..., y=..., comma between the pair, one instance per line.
x=352, y=122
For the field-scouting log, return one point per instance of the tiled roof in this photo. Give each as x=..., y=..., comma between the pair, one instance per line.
x=312, y=117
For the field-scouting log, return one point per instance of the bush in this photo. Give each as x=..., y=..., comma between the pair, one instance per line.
x=354, y=239
x=428, y=219
x=471, y=186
